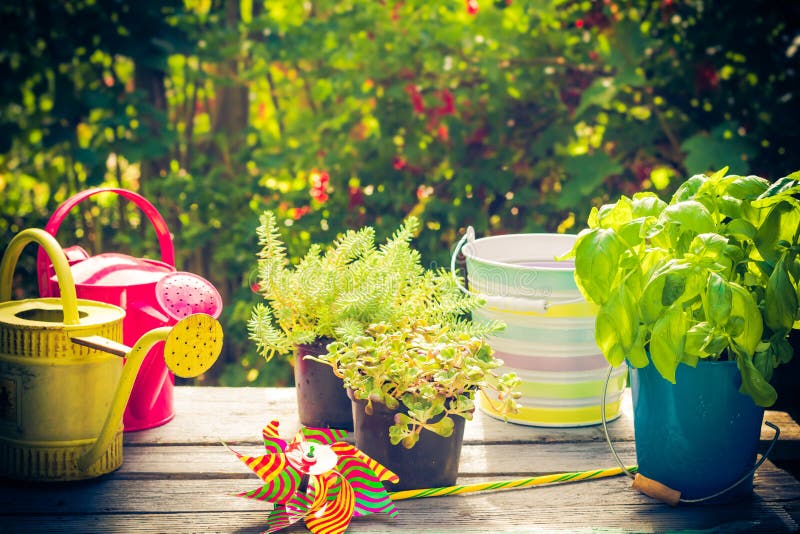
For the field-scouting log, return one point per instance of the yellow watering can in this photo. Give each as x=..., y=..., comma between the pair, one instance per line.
x=63, y=388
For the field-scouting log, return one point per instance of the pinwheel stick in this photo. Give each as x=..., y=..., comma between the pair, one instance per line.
x=508, y=484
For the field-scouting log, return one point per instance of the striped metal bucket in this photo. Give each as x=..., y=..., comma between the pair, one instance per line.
x=549, y=336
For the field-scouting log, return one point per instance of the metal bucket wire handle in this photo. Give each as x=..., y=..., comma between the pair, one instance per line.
x=746, y=476
x=506, y=302
x=50, y=248
x=158, y=222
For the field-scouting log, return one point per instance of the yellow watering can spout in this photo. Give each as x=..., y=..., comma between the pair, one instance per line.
x=191, y=348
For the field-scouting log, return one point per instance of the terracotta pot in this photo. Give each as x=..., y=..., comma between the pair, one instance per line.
x=431, y=463
x=321, y=397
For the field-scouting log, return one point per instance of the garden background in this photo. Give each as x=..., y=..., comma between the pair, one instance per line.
x=507, y=115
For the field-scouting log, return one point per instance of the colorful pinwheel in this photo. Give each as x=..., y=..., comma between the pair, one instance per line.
x=319, y=478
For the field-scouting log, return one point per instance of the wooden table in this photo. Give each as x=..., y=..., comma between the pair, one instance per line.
x=178, y=478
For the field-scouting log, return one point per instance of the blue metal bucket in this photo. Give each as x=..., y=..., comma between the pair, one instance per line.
x=699, y=435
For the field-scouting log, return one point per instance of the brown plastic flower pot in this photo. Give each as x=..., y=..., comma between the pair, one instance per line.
x=321, y=397
x=431, y=463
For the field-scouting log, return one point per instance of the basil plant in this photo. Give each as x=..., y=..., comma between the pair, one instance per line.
x=713, y=274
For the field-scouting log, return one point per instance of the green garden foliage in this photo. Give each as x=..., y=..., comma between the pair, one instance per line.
x=507, y=115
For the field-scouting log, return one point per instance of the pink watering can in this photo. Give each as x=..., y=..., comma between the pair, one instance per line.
x=152, y=293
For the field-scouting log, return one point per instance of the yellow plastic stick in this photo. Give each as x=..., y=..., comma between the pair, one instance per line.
x=508, y=484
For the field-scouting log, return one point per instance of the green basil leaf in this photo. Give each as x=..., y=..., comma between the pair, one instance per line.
x=741, y=229
x=633, y=232
x=690, y=215
x=753, y=382
x=690, y=359
x=710, y=246
x=780, y=225
x=780, y=302
x=667, y=342
x=734, y=325
x=747, y=187
x=781, y=350
x=744, y=307
x=651, y=303
x=592, y=220
x=676, y=282
x=719, y=298
x=637, y=355
x=688, y=188
x=779, y=190
x=715, y=344
x=764, y=362
x=674, y=287
x=730, y=207
x=647, y=204
x=597, y=255
x=611, y=331
x=696, y=339
x=615, y=215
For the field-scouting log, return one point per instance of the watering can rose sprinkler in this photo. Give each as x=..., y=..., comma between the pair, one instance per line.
x=64, y=387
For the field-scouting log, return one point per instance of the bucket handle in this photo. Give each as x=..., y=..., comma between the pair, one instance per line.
x=659, y=491
x=158, y=222
x=516, y=304
x=49, y=248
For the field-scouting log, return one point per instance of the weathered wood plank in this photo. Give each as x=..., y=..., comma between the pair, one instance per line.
x=771, y=521
x=113, y=494
x=476, y=459
x=572, y=508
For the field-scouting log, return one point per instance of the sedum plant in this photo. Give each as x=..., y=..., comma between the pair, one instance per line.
x=428, y=372
x=337, y=292
x=714, y=274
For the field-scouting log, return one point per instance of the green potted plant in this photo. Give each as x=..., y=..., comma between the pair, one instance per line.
x=413, y=383
x=698, y=295
x=330, y=294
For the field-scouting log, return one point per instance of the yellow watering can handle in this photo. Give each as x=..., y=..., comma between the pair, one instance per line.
x=69, y=300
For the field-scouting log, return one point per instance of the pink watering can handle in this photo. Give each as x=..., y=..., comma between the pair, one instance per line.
x=160, y=226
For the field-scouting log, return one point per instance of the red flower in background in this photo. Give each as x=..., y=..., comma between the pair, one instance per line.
x=299, y=212
x=319, y=185
x=416, y=98
x=396, y=10
x=448, y=103
x=443, y=132
x=472, y=7
x=706, y=77
x=399, y=163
